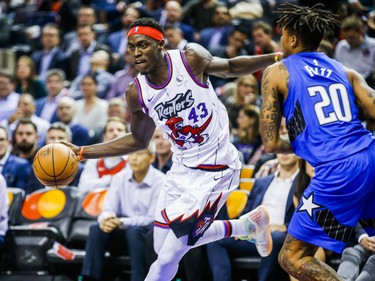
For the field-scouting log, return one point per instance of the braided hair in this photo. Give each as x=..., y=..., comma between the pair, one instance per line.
x=309, y=24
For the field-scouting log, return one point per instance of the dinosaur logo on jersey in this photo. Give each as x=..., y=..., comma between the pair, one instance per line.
x=186, y=134
x=180, y=102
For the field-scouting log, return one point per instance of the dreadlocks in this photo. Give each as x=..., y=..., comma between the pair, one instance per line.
x=308, y=23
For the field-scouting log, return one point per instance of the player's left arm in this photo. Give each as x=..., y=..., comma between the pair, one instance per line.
x=203, y=63
x=274, y=88
x=365, y=95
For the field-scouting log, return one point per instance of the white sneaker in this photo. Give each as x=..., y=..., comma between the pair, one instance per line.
x=257, y=221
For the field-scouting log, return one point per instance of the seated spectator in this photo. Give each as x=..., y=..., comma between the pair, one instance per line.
x=66, y=110
x=51, y=56
x=174, y=38
x=199, y=14
x=123, y=78
x=358, y=262
x=26, y=109
x=244, y=91
x=171, y=15
x=99, y=172
x=127, y=217
x=25, y=145
x=248, y=141
x=357, y=49
x=8, y=97
x=26, y=79
x=276, y=193
x=79, y=59
x=3, y=212
x=15, y=170
x=91, y=110
x=46, y=107
x=163, y=152
x=217, y=34
x=99, y=65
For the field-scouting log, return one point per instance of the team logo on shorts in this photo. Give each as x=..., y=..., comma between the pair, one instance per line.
x=308, y=205
x=202, y=224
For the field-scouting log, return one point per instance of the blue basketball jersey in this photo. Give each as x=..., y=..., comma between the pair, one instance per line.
x=320, y=110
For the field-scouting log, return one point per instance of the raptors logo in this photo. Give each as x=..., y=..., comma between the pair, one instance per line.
x=186, y=134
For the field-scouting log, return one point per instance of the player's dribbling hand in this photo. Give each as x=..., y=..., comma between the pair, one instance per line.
x=72, y=147
x=110, y=224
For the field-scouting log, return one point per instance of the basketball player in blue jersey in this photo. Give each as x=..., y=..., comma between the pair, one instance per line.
x=320, y=100
x=173, y=91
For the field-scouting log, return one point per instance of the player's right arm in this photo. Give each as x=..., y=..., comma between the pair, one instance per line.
x=142, y=129
x=365, y=95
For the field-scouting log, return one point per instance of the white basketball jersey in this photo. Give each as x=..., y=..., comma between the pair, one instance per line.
x=190, y=114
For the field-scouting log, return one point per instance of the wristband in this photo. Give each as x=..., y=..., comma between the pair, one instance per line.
x=81, y=153
x=277, y=56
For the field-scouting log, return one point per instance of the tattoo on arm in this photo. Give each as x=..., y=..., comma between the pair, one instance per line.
x=268, y=114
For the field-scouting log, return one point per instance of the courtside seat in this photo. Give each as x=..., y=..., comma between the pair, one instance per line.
x=236, y=202
x=89, y=207
x=45, y=217
x=16, y=197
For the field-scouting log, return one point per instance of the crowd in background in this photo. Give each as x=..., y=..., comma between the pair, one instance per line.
x=64, y=69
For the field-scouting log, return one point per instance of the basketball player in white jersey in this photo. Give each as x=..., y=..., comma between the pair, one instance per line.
x=173, y=92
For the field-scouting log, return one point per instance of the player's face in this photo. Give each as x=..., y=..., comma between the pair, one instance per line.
x=146, y=53
x=140, y=161
x=4, y=143
x=114, y=129
x=56, y=135
x=285, y=41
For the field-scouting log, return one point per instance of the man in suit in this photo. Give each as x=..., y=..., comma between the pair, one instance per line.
x=46, y=107
x=52, y=56
x=79, y=60
x=276, y=193
x=15, y=170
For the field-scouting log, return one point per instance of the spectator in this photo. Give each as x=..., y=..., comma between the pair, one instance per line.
x=91, y=110
x=46, y=107
x=128, y=216
x=118, y=40
x=248, y=141
x=233, y=48
x=26, y=109
x=3, y=212
x=243, y=92
x=358, y=262
x=163, y=152
x=123, y=78
x=276, y=193
x=356, y=50
x=8, y=97
x=25, y=145
x=217, y=34
x=79, y=59
x=99, y=68
x=171, y=15
x=15, y=170
x=52, y=56
x=85, y=16
x=26, y=80
x=175, y=38
x=66, y=110
x=99, y=172
x=199, y=14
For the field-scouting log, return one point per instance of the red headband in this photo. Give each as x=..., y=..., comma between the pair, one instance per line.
x=148, y=31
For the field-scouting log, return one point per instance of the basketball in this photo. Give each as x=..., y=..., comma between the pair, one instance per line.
x=55, y=165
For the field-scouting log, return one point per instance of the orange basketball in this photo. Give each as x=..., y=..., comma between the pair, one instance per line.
x=55, y=165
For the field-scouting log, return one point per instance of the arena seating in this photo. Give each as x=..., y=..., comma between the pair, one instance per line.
x=49, y=215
